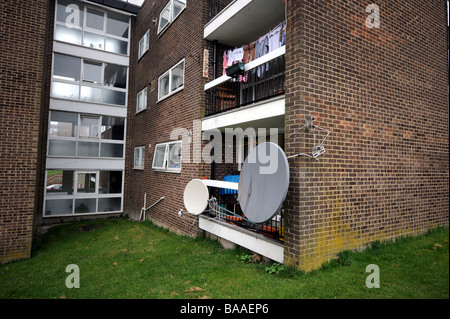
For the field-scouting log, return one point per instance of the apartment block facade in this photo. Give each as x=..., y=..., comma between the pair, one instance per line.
x=128, y=104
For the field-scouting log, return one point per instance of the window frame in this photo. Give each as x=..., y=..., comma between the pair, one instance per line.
x=144, y=92
x=171, y=19
x=146, y=39
x=169, y=73
x=141, y=157
x=164, y=167
x=85, y=29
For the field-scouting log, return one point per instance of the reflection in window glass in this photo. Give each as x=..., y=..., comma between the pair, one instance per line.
x=66, y=67
x=163, y=86
x=94, y=41
x=110, y=182
x=86, y=182
x=65, y=91
x=63, y=124
x=139, y=157
x=69, y=35
x=116, y=46
x=174, y=160
x=178, y=5
x=92, y=72
x=158, y=160
x=109, y=204
x=178, y=76
x=117, y=24
x=94, y=19
x=114, y=97
x=164, y=17
x=113, y=128
x=116, y=76
x=58, y=207
x=61, y=148
x=59, y=182
x=89, y=127
x=90, y=94
x=88, y=149
x=85, y=205
x=111, y=150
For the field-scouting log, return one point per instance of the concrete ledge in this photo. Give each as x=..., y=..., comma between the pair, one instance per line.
x=253, y=241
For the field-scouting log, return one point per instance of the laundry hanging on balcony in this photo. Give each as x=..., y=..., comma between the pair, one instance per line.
x=270, y=41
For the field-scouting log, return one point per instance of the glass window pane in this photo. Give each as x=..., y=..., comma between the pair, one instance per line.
x=65, y=91
x=111, y=150
x=113, y=128
x=90, y=94
x=137, y=158
x=94, y=41
x=116, y=46
x=88, y=149
x=61, y=148
x=116, y=76
x=158, y=159
x=178, y=76
x=163, y=86
x=94, y=19
x=92, y=72
x=114, y=97
x=86, y=182
x=117, y=24
x=89, y=126
x=58, y=207
x=110, y=204
x=110, y=182
x=68, y=35
x=59, y=182
x=85, y=205
x=63, y=124
x=142, y=100
x=174, y=160
x=70, y=12
x=66, y=67
x=178, y=5
x=164, y=17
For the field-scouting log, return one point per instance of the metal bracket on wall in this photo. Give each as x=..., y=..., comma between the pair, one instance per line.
x=318, y=149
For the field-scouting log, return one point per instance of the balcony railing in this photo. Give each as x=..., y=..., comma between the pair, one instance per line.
x=215, y=6
x=260, y=81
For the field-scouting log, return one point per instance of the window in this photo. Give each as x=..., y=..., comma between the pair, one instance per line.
x=170, y=12
x=172, y=81
x=71, y=192
x=144, y=44
x=79, y=135
x=141, y=101
x=100, y=82
x=81, y=24
x=139, y=157
x=167, y=157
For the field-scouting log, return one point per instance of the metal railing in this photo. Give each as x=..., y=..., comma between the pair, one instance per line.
x=216, y=6
x=263, y=82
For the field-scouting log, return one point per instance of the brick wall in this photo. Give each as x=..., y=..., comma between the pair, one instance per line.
x=383, y=94
x=183, y=39
x=22, y=45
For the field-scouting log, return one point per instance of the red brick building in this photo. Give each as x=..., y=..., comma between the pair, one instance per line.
x=375, y=77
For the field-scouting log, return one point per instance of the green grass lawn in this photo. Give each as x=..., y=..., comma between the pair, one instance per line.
x=119, y=258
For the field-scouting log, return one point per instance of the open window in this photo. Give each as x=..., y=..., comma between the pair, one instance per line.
x=170, y=12
x=167, y=157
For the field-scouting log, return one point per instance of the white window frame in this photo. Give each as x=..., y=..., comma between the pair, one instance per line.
x=141, y=157
x=146, y=41
x=169, y=5
x=142, y=95
x=164, y=167
x=169, y=73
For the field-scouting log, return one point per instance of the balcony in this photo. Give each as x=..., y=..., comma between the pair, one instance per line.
x=262, y=79
x=237, y=22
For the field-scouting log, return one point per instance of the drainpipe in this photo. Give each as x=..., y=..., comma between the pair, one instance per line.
x=213, y=163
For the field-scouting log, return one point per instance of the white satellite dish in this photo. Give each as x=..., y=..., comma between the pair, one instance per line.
x=196, y=197
x=261, y=191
